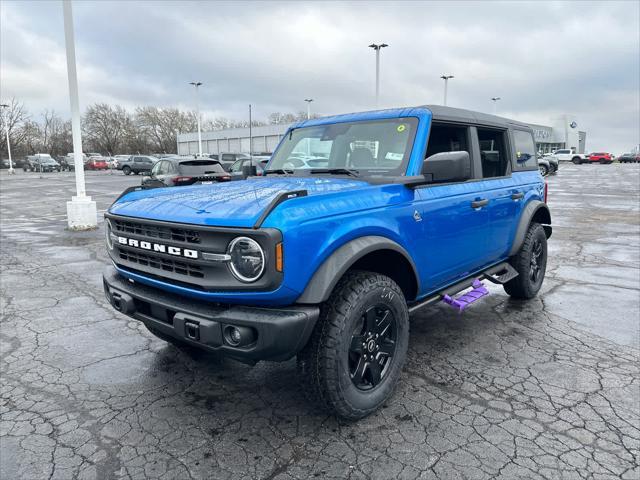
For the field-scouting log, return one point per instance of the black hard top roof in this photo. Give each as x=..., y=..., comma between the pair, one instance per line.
x=450, y=114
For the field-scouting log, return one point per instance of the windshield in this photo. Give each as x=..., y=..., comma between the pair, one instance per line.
x=367, y=148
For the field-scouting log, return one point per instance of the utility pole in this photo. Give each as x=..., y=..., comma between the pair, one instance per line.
x=446, y=82
x=4, y=106
x=82, y=213
x=250, y=135
x=377, y=48
x=308, y=100
x=197, y=84
x=495, y=104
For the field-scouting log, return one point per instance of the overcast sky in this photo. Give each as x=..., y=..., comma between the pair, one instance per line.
x=542, y=58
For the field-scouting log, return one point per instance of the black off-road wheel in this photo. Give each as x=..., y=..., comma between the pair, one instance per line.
x=126, y=170
x=544, y=171
x=531, y=264
x=354, y=358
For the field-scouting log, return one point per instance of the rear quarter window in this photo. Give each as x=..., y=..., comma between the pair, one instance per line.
x=525, y=155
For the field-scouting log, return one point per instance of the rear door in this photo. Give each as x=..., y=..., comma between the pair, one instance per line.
x=454, y=216
x=499, y=188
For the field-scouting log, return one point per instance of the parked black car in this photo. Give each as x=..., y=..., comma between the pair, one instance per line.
x=40, y=162
x=180, y=171
x=137, y=164
x=629, y=158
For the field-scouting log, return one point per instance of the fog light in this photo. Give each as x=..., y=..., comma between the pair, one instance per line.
x=238, y=336
x=234, y=336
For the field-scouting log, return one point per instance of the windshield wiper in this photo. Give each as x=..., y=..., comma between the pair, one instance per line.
x=336, y=171
x=280, y=171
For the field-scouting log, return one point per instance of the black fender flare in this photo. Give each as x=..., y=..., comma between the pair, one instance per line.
x=336, y=265
x=533, y=208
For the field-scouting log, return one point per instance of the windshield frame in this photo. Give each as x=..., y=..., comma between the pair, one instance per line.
x=414, y=122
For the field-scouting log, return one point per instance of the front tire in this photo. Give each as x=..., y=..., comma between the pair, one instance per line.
x=354, y=358
x=576, y=160
x=126, y=170
x=531, y=264
x=544, y=171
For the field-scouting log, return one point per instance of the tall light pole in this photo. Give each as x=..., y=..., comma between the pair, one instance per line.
x=377, y=47
x=495, y=104
x=308, y=100
x=6, y=128
x=197, y=84
x=82, y=213
x=446, y=82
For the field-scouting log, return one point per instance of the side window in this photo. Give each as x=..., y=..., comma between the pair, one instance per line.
x=236, y=167
x=525, y=151
x=156, y=169
x=227, y=157
x=493, y=152
x=447, y=138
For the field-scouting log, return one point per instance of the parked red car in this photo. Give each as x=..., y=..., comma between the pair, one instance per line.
x=600, y=157
x=96, y=163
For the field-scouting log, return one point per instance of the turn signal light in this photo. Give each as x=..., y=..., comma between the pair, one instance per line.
x=279, y=259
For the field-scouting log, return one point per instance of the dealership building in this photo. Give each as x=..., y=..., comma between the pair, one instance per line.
x=562, y=133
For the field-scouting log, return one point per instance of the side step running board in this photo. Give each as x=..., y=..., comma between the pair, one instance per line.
x=500, y=274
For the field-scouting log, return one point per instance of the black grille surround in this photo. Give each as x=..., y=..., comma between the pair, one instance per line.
x=202, y=275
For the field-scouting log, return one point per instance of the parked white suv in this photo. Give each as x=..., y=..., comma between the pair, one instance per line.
x=567, y=155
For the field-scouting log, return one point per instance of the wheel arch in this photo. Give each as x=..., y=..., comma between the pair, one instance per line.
x=372, y=253
x=534, y=211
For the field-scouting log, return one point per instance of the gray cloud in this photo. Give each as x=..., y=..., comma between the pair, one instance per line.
x=541, y=58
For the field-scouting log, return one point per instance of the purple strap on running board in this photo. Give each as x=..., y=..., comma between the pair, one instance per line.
x=463, y=301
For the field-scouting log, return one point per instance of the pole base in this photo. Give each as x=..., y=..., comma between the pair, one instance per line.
x=82, y=214
x=11, y=171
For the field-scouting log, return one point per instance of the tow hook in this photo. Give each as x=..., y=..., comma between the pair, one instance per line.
x=192, y=330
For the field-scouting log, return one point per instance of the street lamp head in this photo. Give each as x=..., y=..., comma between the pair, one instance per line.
x=495, y=99
x=195, y=84
x=378, y=46
x=308, y=100
x=4, y=105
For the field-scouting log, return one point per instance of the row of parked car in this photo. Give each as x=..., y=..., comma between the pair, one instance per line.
x=548, y=163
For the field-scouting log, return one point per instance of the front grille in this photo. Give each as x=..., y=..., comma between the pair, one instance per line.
x=165, y=264
x=155, y=231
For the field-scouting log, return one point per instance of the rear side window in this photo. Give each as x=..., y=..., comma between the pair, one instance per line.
x=493, y=153
x=525, y=151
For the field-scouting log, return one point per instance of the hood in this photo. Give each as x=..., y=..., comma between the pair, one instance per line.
x=233, y=204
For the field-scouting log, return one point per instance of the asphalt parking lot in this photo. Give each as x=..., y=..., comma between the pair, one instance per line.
x=543, y=389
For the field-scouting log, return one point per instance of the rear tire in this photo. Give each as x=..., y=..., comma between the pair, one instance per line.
x=354, y=358
x=576, y=160
x=544, y=171
x=126, y=170
x=531, y=264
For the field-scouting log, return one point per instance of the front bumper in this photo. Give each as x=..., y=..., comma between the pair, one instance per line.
x=277, y=333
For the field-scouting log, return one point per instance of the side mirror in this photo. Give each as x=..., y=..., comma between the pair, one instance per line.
x=145, y=179
x=249, y=171
x=447, y=167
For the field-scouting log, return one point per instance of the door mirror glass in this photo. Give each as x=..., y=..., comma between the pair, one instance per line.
x=447, y=167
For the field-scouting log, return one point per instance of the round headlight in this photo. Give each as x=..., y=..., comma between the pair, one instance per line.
x=247, y=259
x=108, y=231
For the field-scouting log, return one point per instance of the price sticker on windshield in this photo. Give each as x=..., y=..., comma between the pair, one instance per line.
x=401, y=128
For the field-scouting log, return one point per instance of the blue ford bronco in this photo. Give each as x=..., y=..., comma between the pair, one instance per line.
x=358, y=221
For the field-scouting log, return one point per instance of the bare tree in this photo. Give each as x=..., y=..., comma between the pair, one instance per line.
x=105, y=127
x=13, y=117
x=162, y=125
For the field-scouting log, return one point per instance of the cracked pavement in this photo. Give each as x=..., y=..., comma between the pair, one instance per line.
x=548, y=388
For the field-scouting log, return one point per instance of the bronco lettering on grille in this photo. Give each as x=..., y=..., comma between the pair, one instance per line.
x=158, y=247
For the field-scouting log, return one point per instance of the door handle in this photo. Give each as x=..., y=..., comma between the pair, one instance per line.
x=517, y=196
x=479, y=203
